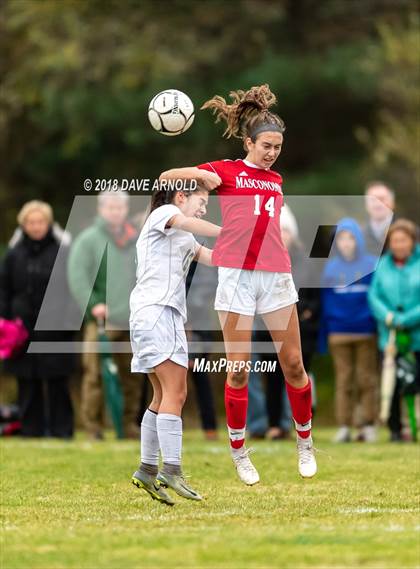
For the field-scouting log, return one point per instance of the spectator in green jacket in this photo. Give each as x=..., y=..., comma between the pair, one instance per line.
x=394, y=298
x=101, y=277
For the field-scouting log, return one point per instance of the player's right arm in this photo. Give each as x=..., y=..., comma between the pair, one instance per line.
x=210, y=180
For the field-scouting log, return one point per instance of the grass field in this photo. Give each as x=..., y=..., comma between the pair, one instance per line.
x=72, y=505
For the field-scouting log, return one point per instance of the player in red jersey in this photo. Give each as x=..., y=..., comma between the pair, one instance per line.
x=254, y=266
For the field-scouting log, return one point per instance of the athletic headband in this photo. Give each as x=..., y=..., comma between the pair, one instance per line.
x=266, y=127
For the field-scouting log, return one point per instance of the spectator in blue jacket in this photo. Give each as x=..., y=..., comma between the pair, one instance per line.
x=347, y=324
x=394, y=298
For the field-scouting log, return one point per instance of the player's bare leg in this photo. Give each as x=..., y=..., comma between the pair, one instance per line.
x=283, y=325
x=237, y=331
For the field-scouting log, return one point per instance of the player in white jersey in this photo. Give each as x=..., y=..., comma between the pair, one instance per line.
x=165, y=249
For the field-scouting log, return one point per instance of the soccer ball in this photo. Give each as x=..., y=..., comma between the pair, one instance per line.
x=171, y=112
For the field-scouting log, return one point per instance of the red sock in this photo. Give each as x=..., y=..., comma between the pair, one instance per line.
x=301, y=404
x=236, y=404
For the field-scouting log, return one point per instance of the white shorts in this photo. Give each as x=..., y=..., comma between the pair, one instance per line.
x=253, y=292
x=157, y=334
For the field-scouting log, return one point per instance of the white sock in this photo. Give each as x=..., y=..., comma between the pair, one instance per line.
x=302, y=428
x=236, y=435
x=149, y=442
x=169, y=429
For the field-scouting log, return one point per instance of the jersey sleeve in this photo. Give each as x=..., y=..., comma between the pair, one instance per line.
x=161, y=217
x=217, y=167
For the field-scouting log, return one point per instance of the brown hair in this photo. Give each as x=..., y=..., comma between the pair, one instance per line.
x=375, y=183
x=247, y=113
x=164, y=195
x=405, y=225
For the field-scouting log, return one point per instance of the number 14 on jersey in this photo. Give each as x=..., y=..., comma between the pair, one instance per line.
x=268, y=206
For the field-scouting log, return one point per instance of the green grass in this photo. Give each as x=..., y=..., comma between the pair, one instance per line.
x=72, y=505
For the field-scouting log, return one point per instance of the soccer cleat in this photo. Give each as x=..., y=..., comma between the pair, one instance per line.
x=369, y=434
x=153, y=488
x=244, y=467
x=306, y=457
x=343, y=435
x=178, y=484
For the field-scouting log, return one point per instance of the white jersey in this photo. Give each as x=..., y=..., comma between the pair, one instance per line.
x=164, y=256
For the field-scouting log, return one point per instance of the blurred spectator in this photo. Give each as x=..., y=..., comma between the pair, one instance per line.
x=257, y=418
x=348, y=325
x=10, y=423
x=381, y=214
x=110, y=244
x=394, y=298
x=43, y=395
x=204, y=282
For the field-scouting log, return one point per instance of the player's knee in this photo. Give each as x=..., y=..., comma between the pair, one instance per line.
x=238, y=378
x=293, y=368
x=180, y=397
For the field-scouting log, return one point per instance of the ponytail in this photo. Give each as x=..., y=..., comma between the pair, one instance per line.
x=248, y=114
x=160, y=197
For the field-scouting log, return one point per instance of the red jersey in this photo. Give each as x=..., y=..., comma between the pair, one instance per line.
x=250, y=201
